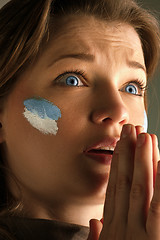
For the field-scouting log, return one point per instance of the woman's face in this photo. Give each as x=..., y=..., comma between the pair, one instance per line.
x=99, y=91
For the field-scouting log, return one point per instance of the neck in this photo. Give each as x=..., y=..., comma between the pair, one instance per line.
x=74, y=214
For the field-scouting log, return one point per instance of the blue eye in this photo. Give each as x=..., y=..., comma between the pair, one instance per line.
x=75, y=78
x=72, y=81
x=131, y=89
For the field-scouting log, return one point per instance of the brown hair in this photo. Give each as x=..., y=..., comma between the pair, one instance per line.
x=25, y=25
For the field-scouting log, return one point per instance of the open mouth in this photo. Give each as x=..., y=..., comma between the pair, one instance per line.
x=101, y=151
x=100, y=155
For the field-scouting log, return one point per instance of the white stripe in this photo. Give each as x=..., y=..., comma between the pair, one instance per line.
x=45, y=126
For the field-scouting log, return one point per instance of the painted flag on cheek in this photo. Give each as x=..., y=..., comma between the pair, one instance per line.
x=42, y=115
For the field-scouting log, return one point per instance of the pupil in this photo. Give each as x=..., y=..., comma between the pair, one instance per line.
x=72, y=81
x=131, y=89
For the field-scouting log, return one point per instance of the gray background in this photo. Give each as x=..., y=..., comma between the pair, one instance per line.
x=154, y=86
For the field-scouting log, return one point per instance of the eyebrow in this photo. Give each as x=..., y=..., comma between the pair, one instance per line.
x=91, y=58
x=137, y=65
x=81, y=56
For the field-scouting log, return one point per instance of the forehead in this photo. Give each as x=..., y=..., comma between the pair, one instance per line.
x=90, y=35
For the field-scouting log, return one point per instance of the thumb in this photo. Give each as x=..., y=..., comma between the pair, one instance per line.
x=95, y=229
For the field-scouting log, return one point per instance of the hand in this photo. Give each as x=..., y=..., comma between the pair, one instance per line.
x=132, y=205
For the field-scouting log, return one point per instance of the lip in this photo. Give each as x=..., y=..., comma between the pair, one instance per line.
x=104, y=158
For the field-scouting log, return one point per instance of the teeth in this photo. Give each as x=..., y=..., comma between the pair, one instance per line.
x=106, y=148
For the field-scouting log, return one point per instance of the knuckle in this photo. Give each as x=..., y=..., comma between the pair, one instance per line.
x=155, y=208
x=123, y=183
x=137, y=190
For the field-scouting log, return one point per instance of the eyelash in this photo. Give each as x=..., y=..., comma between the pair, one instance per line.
x=140, y=84
x=76, y=72
x=81, y=73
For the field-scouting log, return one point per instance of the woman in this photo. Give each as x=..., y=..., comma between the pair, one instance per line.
x=73, y=75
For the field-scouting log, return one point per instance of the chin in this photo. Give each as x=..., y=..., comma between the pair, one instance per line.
x=97, y=189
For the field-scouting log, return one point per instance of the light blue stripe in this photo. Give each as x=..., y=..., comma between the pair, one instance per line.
x=42, y=108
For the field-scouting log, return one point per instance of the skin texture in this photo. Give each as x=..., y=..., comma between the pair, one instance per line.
x=57, y=180
x=132, y=199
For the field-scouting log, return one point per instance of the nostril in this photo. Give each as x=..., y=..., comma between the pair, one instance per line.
x=100, y=116
x=111, y=114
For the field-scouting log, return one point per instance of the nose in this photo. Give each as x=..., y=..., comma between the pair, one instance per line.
x=110, y=108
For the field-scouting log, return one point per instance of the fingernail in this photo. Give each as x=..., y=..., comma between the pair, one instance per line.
x=139, y=129
x=140, y=140
x=126, y=131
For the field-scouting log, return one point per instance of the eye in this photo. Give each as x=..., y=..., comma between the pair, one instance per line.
x=137, y=88
x=131, y=88
x=73, y=81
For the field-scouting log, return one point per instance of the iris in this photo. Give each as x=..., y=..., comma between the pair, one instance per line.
x=131, y=89
x=72, y=81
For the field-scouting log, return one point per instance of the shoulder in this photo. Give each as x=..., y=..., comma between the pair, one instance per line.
x=41, y=229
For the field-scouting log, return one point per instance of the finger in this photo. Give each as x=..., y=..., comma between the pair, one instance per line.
x=139, y=129
x=110, y=192
x=125, y=171
x=95, y=229
x=155, y=155
x=153, y=221
x=142, y=184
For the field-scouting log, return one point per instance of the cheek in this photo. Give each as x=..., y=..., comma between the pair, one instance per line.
x=137, y=115
x=42, y=115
